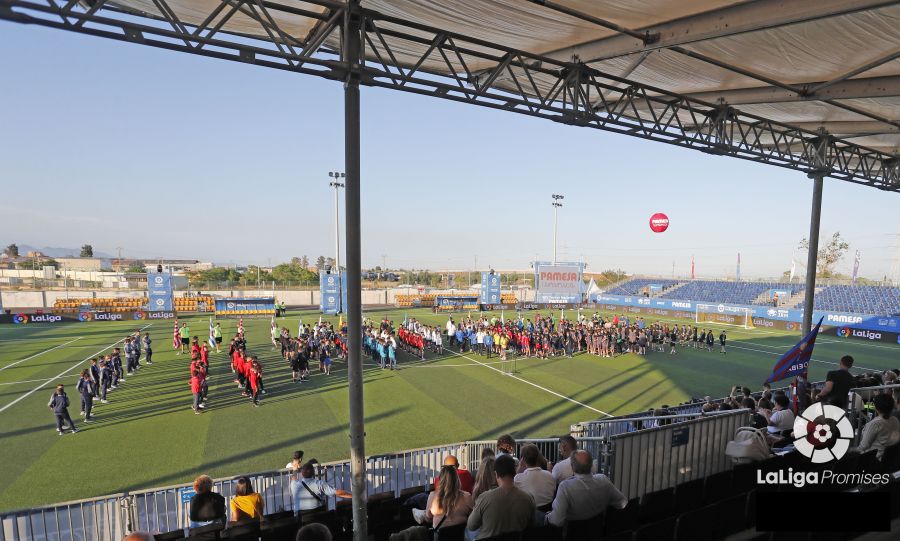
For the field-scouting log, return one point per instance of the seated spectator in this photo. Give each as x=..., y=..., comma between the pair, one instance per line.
x=506, y=445
x=487, y=452
x=584, y=495
x=466, y=481
x=758, y=420
x=562, y=470
x=897, y=403
x=485, y=479
x=314, y=532
x=246, y=503
x=505, y=509
x=536, y=481
x=882, y=431
x=206, y=506
x=781, y=418
x=315, y=493
x=448, y=505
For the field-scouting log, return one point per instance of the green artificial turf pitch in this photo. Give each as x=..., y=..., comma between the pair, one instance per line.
x=147, y=436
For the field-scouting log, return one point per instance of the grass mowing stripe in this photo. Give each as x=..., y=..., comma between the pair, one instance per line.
x=39, y=354
x=61, y=374
x=533, y=384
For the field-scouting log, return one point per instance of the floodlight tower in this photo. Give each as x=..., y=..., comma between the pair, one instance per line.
x=335, y=175
x=556, y=205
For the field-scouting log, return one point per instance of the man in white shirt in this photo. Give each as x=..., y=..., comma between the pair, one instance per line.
x=583, y=496
x=535, y=481
x=562, y=470
x=781, y=418
x=313, y=492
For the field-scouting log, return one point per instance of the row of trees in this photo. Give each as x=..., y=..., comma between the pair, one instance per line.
x=12, y=250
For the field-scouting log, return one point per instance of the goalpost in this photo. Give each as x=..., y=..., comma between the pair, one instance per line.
x=724, y=315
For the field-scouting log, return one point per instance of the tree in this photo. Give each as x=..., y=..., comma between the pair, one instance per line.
x=320, y=263
x=12, y=250
x=293, y=272
x=87, y=251
x=214, y=275
x=135, y=268
x=829, y=255
x=37, y=264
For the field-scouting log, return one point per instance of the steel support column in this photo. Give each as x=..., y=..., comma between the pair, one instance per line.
x=351, y=56
x=814, y=220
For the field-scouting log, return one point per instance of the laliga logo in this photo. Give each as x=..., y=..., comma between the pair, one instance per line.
x=158, y=280
x=84, y=316
x=138, y=315
x=720, y=308
x=822, y=433
x=331, y=280
x=20, y=319
x=229, y=306
x=771, y=312
x=845, y=332
x=160, y=302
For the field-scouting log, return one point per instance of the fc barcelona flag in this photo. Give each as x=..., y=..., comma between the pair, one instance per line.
x=796, y=360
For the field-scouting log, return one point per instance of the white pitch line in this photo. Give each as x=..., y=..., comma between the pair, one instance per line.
x=20, y=382
x=554, y=393
x=61, y=374
x=39, y=354
x=813, y=360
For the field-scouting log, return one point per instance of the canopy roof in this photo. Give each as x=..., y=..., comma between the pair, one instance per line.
x=715, y=69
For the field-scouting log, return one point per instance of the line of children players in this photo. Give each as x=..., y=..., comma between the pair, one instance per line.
x=104, y=374
x=319, y=342
x=247, y=369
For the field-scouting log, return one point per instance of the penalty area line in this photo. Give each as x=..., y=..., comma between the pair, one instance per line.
x=39, y=354
x=546, y=390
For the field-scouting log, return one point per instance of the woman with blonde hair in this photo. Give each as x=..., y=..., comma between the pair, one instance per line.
x=206, y=506
x=485, y=479
x=449, y=505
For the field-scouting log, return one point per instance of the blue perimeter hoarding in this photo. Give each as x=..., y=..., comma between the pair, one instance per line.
x=332, y=293
x=832, y=319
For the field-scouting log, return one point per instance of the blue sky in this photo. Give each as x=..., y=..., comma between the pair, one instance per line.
x=173, y=155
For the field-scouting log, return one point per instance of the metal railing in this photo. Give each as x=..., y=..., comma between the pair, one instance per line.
x=662, y=457
x=648, y=456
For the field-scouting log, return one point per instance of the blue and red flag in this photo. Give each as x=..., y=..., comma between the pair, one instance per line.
x=796, y=360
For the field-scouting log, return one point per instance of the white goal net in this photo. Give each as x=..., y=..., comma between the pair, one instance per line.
x=722, y=314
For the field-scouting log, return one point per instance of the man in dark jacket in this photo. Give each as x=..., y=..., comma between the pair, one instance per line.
x=59, y=405
x=85, y=387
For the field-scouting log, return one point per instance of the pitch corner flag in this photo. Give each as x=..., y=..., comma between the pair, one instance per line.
x=796, y=360
x=212, y=334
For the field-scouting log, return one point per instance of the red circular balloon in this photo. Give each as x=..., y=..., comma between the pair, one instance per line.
x=659, y=222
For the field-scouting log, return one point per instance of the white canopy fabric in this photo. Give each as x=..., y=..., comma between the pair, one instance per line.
x=833, y=64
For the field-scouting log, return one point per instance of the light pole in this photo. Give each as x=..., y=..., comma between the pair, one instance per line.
x=556, y=205
x=335, y=175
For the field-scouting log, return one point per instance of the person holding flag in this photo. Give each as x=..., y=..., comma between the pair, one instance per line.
x=176, y=338
x=212, y=335
x=273, y=333
x=241, y=326
x=795, y=362
x=217, y=336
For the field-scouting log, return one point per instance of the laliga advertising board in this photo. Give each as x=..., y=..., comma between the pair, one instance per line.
x=559, y=283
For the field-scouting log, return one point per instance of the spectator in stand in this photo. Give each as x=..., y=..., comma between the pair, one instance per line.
x=759, y=420
x=584, y=495
x=506, y=445
x=207, y=506
x=295, y=466
x=448, y=505
x=562, y=470
x=505, y=509
x=781, y=418
x=838, y=384
x=315, y=493
x=897, y=403
x=535, y=480
x=314, y=532
x=485, y=479
x=466, y=481
x=884, y=430
x=246, y=504
x=138, y=536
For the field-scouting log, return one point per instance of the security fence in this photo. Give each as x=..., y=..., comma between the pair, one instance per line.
x=659, y=452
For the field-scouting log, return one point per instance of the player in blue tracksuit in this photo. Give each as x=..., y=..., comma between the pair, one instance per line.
x=148, y=349
x=392, y=353
x=136, y=345
x=59, y=405
x=379, y=348
x=85, y=387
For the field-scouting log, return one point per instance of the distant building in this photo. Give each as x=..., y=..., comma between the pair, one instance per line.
x=88, y=264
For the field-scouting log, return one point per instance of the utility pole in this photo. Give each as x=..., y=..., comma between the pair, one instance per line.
x=383, y=263
x=556, y=205
x=335, y=175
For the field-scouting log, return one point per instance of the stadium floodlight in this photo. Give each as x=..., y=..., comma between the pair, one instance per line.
x=556, y=205
x=337, y=228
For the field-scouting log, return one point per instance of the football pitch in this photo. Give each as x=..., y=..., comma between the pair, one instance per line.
x=147, y=436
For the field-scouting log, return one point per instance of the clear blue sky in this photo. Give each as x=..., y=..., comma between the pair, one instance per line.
x=92, y=129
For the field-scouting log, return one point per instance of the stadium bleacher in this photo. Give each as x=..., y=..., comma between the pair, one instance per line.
x=127, y=304
x=636, y=286
x=717, y=291
x=878, y=300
